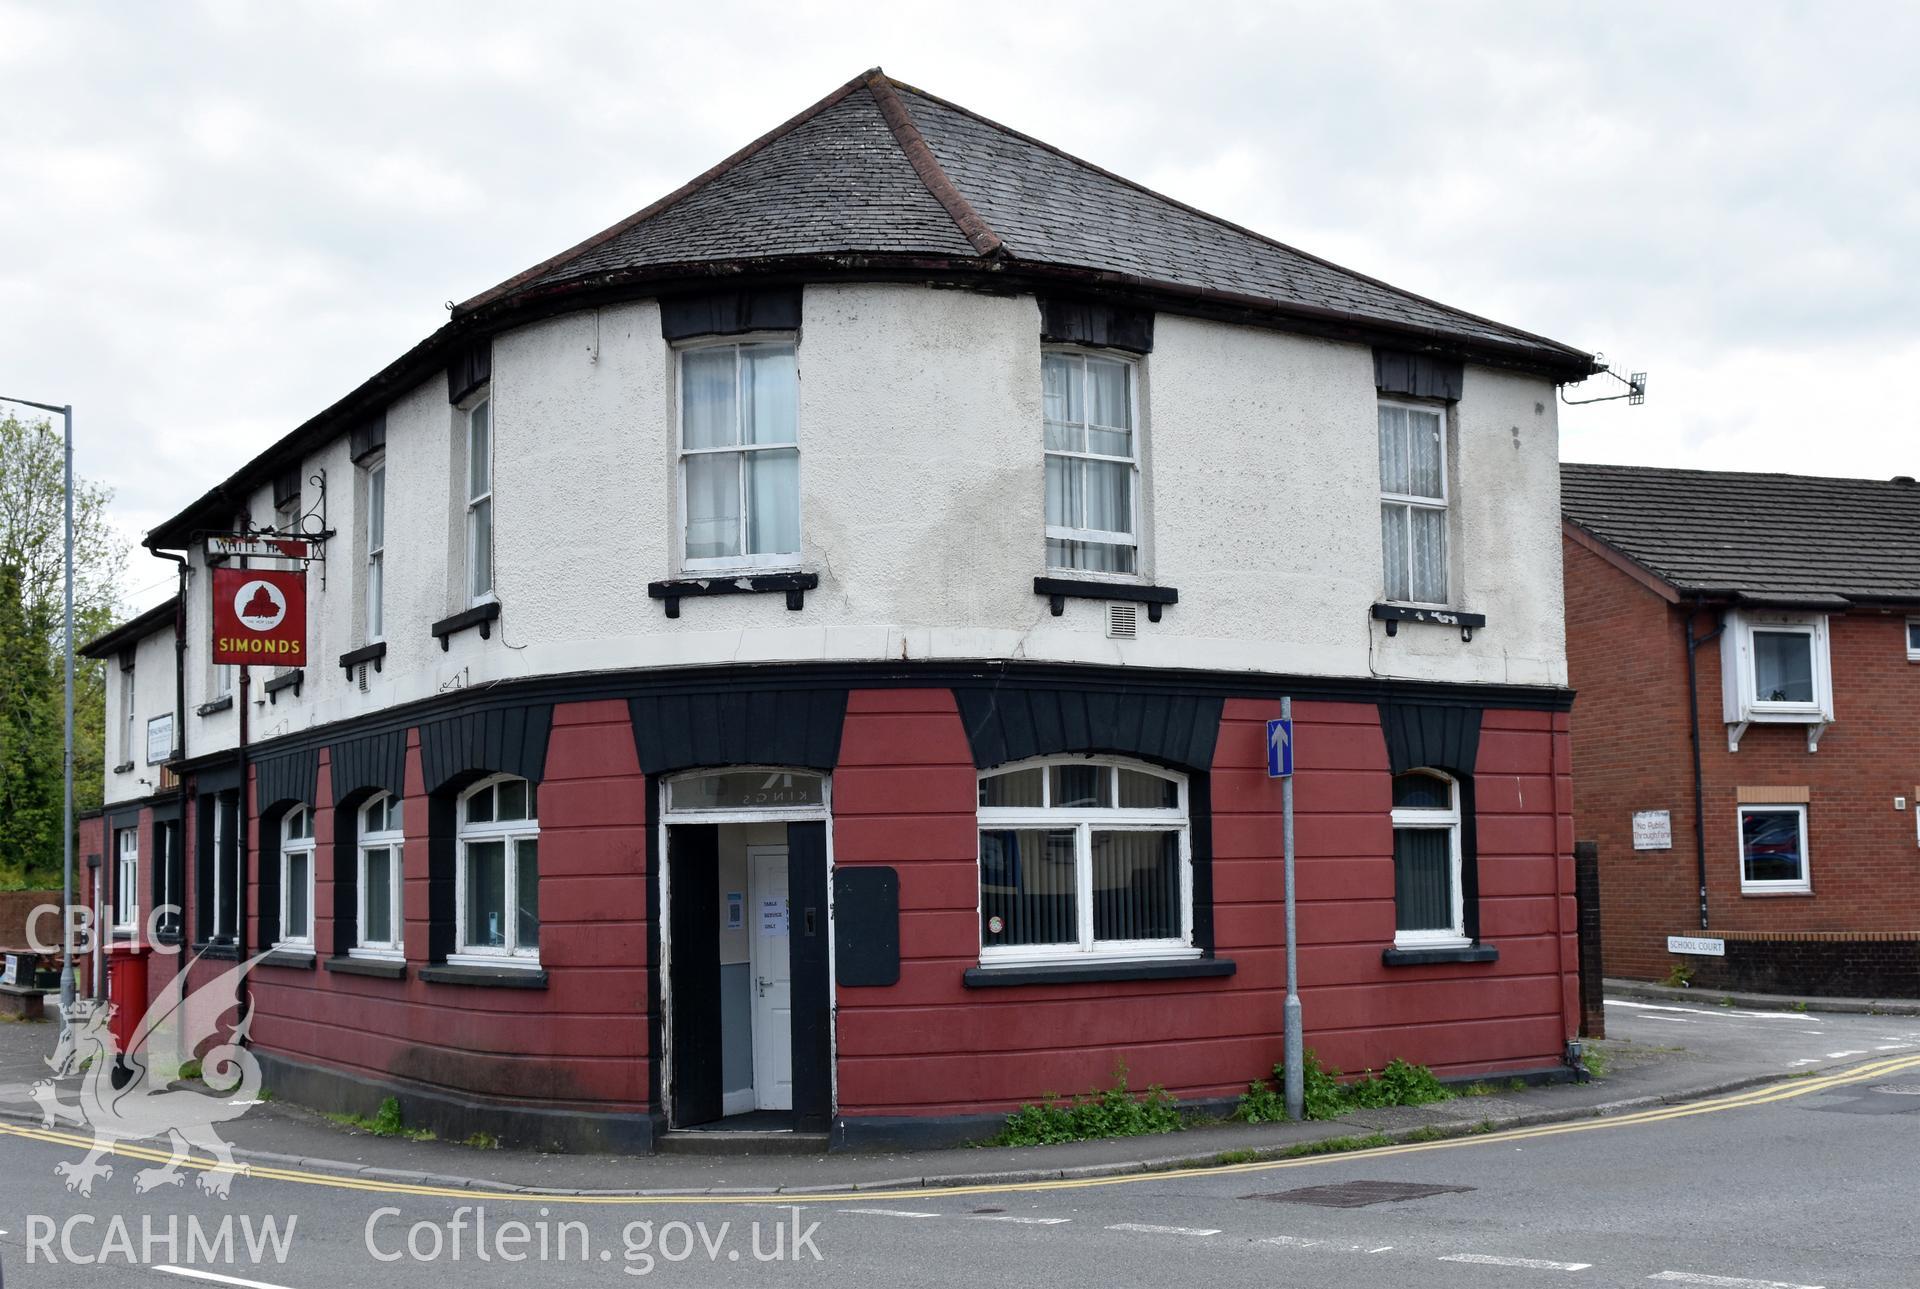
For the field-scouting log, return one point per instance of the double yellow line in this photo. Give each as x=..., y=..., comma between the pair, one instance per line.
x=1768, y=1094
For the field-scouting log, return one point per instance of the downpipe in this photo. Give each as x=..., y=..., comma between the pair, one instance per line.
x=1693, y=727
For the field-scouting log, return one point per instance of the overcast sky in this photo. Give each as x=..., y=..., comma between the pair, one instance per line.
x=220, y=217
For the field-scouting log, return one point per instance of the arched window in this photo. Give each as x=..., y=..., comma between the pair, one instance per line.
x=1084, y=857
x=382, y=849
x=497, y=873
x=1429, y=904
x=296, y=880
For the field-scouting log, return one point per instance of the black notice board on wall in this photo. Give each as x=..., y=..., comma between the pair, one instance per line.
x=866, y=926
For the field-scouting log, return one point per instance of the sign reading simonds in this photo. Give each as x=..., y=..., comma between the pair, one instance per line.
x=260, y=616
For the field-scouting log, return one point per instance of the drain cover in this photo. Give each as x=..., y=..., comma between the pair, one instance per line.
x=1357, y=1194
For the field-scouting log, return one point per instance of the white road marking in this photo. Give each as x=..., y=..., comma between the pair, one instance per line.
x=1147, y=1228
x=887, y=1212
x=1300, y=1242
x=1857, y=1051
x=1727, y=1282
x=1892, y=1047
x=1806, y=1060
x=1529, y=1264
x=212, y=1278
x=1024, y=1221
x=1382, y=1249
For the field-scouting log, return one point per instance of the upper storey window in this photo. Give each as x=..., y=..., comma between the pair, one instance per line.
x=740, y=455
x=376, y=536
x=1093, y=462
x=479, y=419
x=1413, y=502
x=1776, y=667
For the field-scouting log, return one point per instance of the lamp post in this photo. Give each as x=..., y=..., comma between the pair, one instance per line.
x=66, y=831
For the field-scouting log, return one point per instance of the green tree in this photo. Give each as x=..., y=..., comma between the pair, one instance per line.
x=32, y=740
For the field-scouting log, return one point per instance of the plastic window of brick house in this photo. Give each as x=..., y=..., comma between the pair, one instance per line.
x=1773, y=849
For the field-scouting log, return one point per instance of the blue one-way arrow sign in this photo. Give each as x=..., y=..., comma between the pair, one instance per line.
x=1280, y=749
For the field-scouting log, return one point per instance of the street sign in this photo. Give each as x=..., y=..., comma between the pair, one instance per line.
x=260, y=616
x=1699, y=945
x=1652, y=830
x=1280, y=748
x=257, y=545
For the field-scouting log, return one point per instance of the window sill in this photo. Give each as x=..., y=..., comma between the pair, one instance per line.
x=298, y=959
x=1394, y=614
x=487, y=977
x=219, y=704
x=1775, y=892
x=379, y=968
x=372, y=653
x=123, y=768
x=1059, y=590
x=292, y=680
x=794, y=585
x=1422, y=957
x=480, y=615
x=217, y=951
x=1075, y=973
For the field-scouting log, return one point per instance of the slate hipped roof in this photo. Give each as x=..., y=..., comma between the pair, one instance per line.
x=1756, y=538
x=881, y=167
x=881, y=181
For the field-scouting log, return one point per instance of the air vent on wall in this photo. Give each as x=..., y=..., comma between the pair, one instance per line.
x=1123, y=620
x=363, y=677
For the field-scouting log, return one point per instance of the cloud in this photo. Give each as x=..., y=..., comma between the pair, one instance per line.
x=223, y=217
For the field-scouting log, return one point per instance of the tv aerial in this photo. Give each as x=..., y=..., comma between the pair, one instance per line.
x=1635, y=392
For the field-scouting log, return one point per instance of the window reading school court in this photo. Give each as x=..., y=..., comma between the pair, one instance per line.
x=1084, y=859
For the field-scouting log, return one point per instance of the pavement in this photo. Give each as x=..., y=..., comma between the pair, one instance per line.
x=1659, y=1053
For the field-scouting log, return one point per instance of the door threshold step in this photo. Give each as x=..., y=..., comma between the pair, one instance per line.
x=739, y=1141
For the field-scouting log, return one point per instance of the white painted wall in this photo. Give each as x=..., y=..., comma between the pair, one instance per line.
x=153, y=695
x=922, y=512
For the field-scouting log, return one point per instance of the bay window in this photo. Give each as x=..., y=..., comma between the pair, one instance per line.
x=381, y=860
x=1092, y=461
x=1084, y=857
x=497, y=875
x=1413, y=502
x=1776, y=669
x=740, y=455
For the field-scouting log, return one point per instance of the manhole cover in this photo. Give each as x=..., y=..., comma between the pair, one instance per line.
x=1897, y=1089
x=1357, y=1194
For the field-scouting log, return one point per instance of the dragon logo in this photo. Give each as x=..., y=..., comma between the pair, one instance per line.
x=130, y=1096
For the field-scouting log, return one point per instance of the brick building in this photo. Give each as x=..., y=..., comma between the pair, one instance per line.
x=1793, y=840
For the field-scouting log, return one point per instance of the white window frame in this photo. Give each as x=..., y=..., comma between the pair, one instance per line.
x=126, y=879
x=393, y=840
x=1740, y=675
x=1083, y=822
x=1801, y=886
x=1415, y=501
x=220, y=892
x=511, y=832
x=129, y=704
x=1913, y=639
x=1428, y=818
x=476, y=596
x=743, y=562
x=290, y=845
x=374, y=573
x=1060, y=532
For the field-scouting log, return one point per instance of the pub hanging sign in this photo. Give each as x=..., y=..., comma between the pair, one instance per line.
x=260, y=616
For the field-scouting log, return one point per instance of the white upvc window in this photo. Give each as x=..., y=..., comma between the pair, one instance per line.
x=376, y=537
x=1090, y=406
x=1776, y=669
x=1913, y=639
x=225, y=808
x=380, y=930
x=497, y=875
x=480, y=501
x=1413, y=502
x=1084, y=858
x=126, y=880
x=1429, y=897
x=1773, y=850
x=296, y=880
x=127, y=719
x=739, y=455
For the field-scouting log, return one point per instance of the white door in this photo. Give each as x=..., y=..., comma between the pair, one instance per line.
x=772, y=979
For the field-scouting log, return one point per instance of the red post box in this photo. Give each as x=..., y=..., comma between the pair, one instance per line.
x=127, y=990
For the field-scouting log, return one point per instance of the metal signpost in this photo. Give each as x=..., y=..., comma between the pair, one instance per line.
x=1280, y=766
